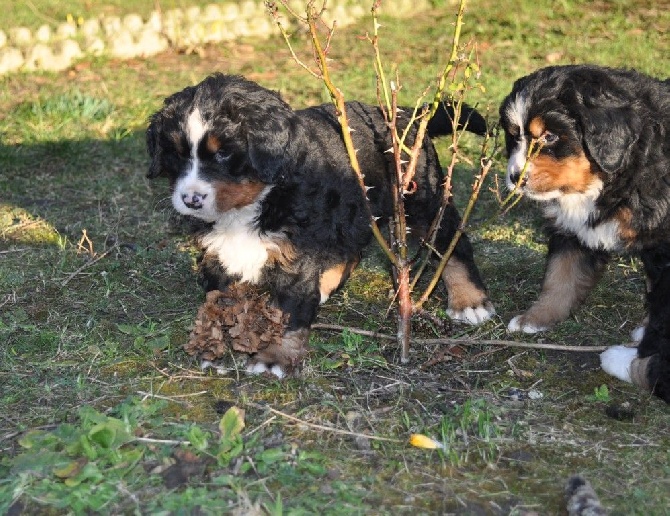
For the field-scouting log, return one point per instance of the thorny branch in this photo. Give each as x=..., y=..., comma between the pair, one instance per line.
x=405, y=158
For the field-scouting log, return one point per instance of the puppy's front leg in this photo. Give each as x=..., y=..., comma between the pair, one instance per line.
x=300, y=302
x=571, y=272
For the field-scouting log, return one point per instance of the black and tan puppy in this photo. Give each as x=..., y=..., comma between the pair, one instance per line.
x=602, y=178
x=284, y=208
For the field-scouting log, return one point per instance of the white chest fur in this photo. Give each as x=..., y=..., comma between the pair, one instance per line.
x=241, y=249
x=573, y=212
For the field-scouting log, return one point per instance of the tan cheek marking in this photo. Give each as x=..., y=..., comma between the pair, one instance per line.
x=462, y=292
x=331, y=279
x=536, y=127
x=236, y=195
x=569, y=175
x=625, y=217
x=213, y=144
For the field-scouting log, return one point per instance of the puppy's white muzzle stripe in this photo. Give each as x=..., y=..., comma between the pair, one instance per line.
x=516, y=163
x=517, y=113
x=192, y=195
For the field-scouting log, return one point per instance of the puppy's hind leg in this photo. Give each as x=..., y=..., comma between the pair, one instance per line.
x=648, y=365
x=468, y=300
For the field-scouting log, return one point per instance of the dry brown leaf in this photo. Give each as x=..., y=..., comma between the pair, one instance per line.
x=241, y=318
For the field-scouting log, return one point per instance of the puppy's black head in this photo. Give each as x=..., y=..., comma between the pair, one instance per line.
x=583, y=120
x=221, y=143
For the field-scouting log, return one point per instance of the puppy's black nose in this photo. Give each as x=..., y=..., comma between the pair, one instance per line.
x=194, y=200
x=514, y=178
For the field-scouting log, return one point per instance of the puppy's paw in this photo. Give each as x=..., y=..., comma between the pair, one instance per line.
x=473, y=315
x=281, y=360
x=618, y=361
x=257, y=367
x=521, y=324
x=468, y=301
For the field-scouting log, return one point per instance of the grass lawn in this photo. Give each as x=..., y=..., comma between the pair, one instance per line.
x=101, y=410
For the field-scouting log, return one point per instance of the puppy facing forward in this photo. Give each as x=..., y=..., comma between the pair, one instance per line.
x=283, y=207
x=602, y=178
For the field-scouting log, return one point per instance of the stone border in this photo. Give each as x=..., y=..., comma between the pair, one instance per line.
x=55, y=49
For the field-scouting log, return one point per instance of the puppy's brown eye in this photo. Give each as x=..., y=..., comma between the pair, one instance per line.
x=549, y=138
x=222, y=156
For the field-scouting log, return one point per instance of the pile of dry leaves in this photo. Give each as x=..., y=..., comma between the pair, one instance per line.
x=241, y=318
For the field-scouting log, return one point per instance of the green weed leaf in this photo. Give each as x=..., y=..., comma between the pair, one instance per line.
x=109, y=434
x=198, y=438
x=601, y=394
x=231, y=424
x=32, y=438
x=72, y=469
x=102, y=435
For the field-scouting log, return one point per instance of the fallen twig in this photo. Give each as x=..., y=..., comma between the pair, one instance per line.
x=88, y=264
x=323, y=427
x=161, y=441
x=465, y=342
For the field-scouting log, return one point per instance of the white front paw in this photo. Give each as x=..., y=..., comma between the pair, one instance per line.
x=476, y=315
x=516, y=325
x=617, y=361
x=255, y=367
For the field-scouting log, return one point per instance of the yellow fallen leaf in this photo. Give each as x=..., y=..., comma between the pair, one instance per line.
x=423, y=441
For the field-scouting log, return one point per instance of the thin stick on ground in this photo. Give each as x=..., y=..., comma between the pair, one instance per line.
x=463, y=342
x=87, y=265
x=323, y=427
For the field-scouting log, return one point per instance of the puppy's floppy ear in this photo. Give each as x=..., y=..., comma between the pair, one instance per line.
x=610, y=126
x=272, y=139
x=174, y=106
x=609, y=135
x=153, y=144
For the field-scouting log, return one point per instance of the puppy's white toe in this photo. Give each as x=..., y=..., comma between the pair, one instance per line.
x=277, y=371
x=476, y=315
x=256, y=368
x=516, y=325
x=617, y=361
x=260, y=368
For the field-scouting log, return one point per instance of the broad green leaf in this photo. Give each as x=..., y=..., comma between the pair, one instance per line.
x=102, y=435
x=198, y=438
x=72, y=469
x=32, y=438
x=231, y=424
x=90, y=472
x=159, y=343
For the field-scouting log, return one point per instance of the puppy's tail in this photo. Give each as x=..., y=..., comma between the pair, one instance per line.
x=442, y=122
x=582, y=499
